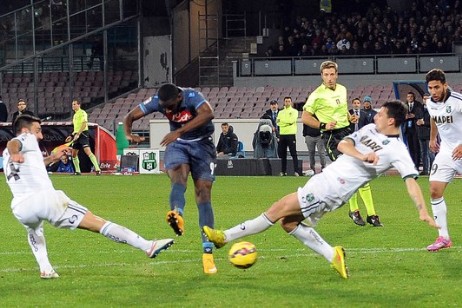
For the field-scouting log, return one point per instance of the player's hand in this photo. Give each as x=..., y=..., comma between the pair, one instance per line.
x=428, y=219
x=17, y=158
x=169, y=138
x=434, y=146
x=135, y=138
x=371, y=158
x=457, y=152
x=57, y=155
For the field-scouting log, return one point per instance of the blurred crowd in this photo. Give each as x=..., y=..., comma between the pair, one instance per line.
x=429, y=26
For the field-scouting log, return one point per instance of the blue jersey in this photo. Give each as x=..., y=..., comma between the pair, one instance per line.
x=192, y=100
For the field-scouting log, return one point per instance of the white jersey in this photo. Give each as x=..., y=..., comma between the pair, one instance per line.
x=30, y=176
x=448, y=118
x=339, y=181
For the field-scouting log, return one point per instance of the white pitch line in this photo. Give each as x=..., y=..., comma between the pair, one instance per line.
x=300, y=252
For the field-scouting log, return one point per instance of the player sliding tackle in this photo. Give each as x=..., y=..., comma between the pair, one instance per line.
x=35, y=200
x=369, y=152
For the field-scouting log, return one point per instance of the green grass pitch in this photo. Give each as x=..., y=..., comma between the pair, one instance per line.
x=389, y=266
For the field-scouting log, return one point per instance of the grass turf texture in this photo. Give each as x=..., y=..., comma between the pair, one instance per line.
x=389, y=266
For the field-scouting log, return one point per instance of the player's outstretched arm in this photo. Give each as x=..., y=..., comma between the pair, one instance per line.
x=347, y=147
x=132, y=116
x=416, y=195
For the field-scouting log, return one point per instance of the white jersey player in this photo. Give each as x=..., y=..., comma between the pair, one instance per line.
x=445, y=109
x=367, y=154
x=35, y=200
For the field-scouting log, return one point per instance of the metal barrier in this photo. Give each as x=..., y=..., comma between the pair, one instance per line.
x=374, y=64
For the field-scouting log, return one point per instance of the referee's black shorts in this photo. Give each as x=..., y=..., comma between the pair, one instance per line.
x=82, y=142
x=331, y=140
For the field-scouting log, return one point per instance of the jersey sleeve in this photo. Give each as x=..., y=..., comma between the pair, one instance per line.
x=403, y=162
x=310, y=103
x=150, y=105
x=194, y=99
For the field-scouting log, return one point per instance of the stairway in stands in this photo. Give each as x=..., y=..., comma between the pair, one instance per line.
x=230, y=49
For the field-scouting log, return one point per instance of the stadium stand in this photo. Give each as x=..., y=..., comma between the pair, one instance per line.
x=54, y=89
x=250, y=103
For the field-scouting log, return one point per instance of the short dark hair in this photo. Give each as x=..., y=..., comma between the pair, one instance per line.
x=24, y=120
x=396, y=110
x=435, y=74
x=167, y=92
x=224, y=123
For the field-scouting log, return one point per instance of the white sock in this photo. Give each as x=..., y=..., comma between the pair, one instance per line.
x=439, y=209
x=249, y=227
x=313, y=240
x=123, y=235
x=37, y=243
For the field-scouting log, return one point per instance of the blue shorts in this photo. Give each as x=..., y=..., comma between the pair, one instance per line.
x=199, y=155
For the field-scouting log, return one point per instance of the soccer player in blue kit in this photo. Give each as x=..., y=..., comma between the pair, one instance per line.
x=189, y=149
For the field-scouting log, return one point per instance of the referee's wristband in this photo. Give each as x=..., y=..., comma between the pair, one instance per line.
x=322, y=125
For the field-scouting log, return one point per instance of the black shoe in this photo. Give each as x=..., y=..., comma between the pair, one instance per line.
x=77, y=173
x=374, y=220
x=356, y=217
x=98, y=172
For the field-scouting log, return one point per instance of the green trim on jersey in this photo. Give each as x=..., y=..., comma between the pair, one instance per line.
x=329, y=105
x=79, y=118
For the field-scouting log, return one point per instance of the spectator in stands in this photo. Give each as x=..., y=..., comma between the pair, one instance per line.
x=80, y=138
x=313, y=141
x=423, y=132
x=3, y=111
x=343, y=43
x=22, y=109
x=97, y=51
x=287, y=122
x=280, y=51
x=272, y=114
x=410, y=131
x=227, y=144
x=368, y=110
x=359, y=119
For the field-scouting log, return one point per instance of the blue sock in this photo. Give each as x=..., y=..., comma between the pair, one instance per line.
x=205, y=217
x=177, y=200
x=208, y=247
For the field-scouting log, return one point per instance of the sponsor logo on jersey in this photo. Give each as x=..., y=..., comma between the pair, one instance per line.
x=367, y=141
x=180, y=117
x=443, y=119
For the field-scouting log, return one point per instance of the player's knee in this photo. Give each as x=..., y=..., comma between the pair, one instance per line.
x=288, y=225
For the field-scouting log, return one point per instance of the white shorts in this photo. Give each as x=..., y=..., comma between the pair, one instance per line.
x=315, y=199
x=444, y=168
x=49, y=205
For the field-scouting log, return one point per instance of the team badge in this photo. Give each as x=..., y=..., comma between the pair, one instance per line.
x=337, y=101
x=448, y=109
x=309, y=198
x=149, y=161
x=385, y=142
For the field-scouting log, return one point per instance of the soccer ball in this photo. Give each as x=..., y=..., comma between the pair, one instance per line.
x=243, y=255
